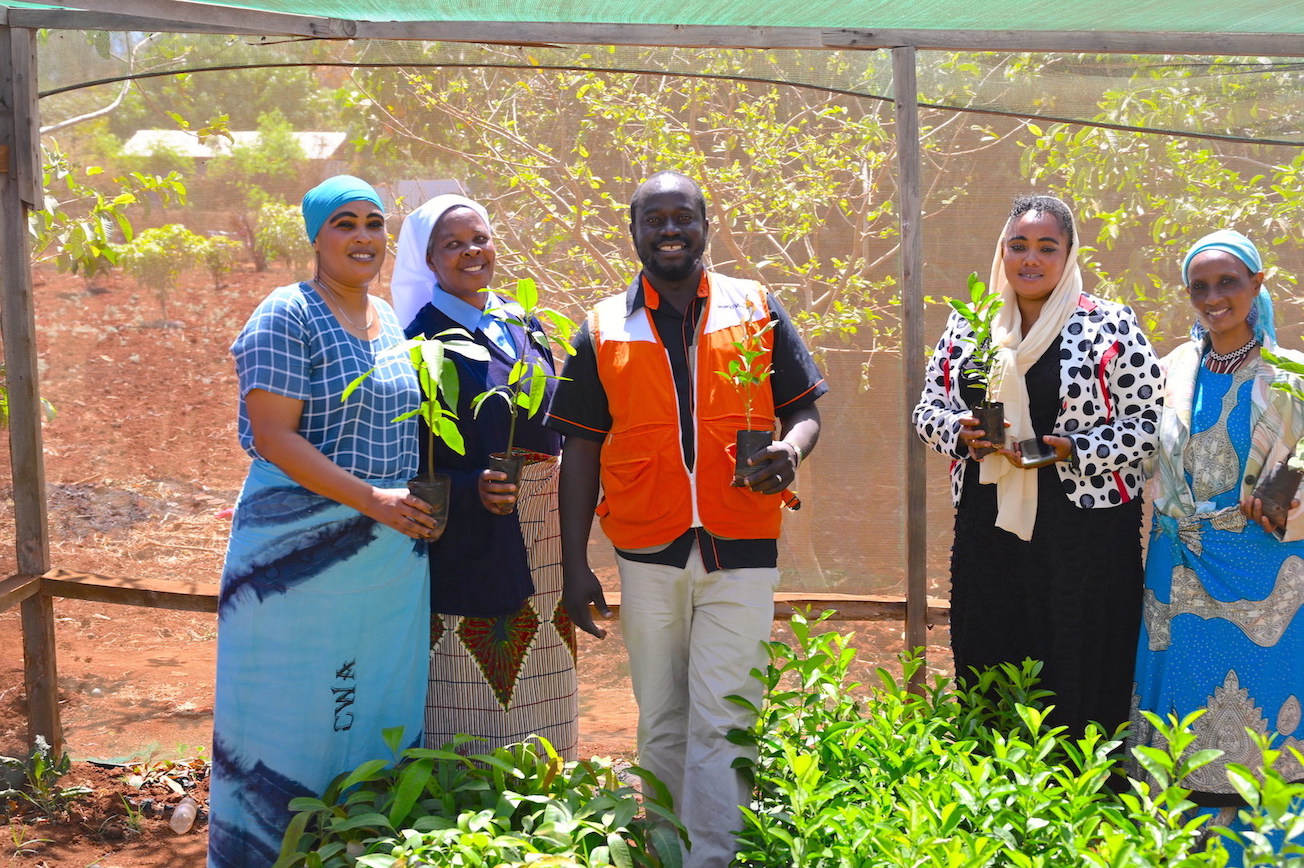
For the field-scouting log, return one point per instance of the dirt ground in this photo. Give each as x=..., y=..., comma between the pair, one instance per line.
x=142, y=466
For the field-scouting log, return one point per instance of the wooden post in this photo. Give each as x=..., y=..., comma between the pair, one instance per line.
x=910, y=211
x=20, y=191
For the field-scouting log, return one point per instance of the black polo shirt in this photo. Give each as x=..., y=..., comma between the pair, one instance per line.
x=580, y=409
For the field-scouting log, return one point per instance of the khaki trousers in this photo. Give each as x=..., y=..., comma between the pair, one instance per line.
x=693, y=638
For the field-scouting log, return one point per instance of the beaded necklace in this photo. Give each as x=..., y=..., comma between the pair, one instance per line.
x=1225, y=363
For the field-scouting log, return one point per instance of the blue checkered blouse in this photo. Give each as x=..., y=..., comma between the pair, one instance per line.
x=294, y=346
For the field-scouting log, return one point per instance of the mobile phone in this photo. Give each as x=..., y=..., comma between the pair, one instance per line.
x=1034, y=453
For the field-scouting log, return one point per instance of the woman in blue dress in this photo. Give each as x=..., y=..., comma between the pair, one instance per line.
x=502, y=651
x=325, y=588
x=1221, y=627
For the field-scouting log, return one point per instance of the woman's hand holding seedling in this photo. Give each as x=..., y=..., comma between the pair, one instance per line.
x=404, y=512
x=976, y=438
x=496, y=494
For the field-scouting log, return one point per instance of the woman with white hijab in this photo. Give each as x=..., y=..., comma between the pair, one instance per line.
x=1047, y=556
x=502, y=660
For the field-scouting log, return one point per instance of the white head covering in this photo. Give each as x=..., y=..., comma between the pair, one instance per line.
x=413, y=284
x=1016, y=488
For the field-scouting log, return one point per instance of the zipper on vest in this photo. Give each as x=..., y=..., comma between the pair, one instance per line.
x=696, y=356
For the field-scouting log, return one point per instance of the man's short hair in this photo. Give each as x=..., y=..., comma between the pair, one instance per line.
x=680, y=177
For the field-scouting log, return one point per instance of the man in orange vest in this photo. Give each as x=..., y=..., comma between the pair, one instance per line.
x=647, y=417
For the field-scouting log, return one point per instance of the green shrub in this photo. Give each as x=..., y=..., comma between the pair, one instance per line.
x=279, y=235
x=219, y=255
x=885, y=777
x=157, y=258
x=79, y=220
x=519, y=804
x=844, y=776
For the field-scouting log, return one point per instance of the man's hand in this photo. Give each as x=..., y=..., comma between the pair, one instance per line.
x=580, y=588
x=776, y=468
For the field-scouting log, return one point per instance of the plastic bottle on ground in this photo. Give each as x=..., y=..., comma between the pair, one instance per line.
x=183, y=816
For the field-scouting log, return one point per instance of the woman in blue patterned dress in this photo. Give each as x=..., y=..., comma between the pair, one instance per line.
x=324, y=597
x=1221, y=628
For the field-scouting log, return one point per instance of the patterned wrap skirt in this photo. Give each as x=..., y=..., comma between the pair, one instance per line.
x=507, y=678
x=322, y=623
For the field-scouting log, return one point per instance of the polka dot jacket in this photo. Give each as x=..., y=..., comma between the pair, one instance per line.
x=1111, y=388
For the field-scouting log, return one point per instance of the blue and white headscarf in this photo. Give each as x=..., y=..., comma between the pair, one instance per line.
x=320, y=202
x=1233, y=242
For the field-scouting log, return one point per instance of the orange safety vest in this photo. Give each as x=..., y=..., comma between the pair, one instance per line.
x=650, y=497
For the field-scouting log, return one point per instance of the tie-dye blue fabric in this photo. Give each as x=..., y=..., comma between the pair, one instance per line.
x=322, y=622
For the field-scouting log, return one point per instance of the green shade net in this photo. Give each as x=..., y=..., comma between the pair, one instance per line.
x=1204, y=16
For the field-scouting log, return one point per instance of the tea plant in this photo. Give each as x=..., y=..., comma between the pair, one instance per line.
x=980, y=313
x=527, y=382
x=219, y=256
x=438, y=807
x=279, y=235
x=969, y=777
x=157, y=258
x=437, y=374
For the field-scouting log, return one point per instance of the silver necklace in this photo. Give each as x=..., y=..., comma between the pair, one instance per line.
x=1222, y=363
x=339, y=308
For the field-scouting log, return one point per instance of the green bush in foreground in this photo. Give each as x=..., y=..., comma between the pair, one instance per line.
x=844, y=776
x=973, y=778
x=518, y=805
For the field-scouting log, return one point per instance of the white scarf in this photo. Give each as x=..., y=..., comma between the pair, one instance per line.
x=1016, y=488
x=413, y=284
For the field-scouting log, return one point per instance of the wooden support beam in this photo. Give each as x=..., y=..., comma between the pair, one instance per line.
x=15, y=589
x=180, y=17
x=911, y=211
x=150, y=593
x=40, y=674
x=20, y=191
x=845, y=607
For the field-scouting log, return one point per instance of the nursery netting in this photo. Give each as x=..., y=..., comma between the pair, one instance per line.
x=794, y=148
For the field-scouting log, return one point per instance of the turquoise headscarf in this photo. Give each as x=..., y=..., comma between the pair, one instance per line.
x=320, y=202
x=1233, y=242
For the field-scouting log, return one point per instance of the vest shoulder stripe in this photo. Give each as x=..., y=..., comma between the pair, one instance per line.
x=611, y=324
x=734, y=301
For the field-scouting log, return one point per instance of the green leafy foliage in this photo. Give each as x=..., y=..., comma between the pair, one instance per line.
x=77, y=226
x=1151, y=196
x=219, y=256
x=799, y=182
x=1293, y=386
x=849, y=776
x=437, y=373
x=35, y=781
x=980, y=313
x=279, y=235
x=745, y=371
x=520, y=804
x=158, y=257
x=274, y=156
x=47, y=408
x=527, y=382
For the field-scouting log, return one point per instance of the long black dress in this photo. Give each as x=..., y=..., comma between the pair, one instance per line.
x=1070, y=596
